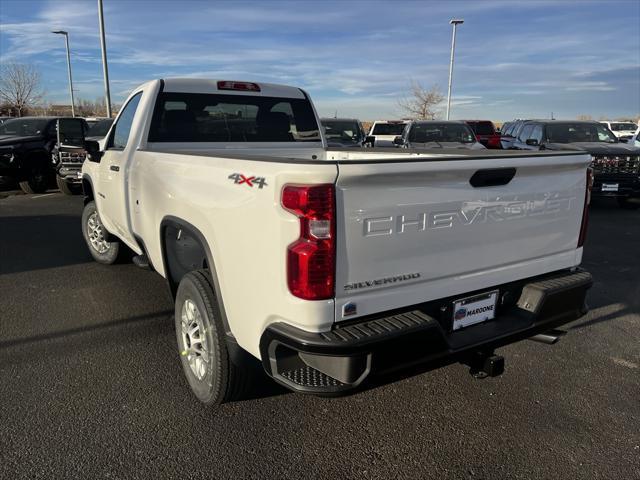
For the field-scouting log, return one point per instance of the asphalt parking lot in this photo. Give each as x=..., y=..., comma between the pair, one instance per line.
x=91, y=385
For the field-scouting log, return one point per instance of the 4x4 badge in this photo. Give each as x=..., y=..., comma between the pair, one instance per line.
x=239, y=179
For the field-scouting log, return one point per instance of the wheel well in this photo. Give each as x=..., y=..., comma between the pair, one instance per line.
x=87, y=189
x=185, y=249
x=27, y=162
x=183, y=252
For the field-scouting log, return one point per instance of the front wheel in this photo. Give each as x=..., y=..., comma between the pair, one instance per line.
x=103, y=249
x=628, y=204
x=213, y=377
x=36, y=182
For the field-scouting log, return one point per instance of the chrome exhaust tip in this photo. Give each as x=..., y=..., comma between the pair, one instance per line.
x=548, y=338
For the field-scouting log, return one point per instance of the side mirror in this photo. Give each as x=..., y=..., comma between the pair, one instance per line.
x=70, y=134
x=398, y=141
x=532, y=142
x=92, y=148
x=370, y=141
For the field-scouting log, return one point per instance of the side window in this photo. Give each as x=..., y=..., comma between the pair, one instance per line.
x=122, y=129
x=536, y=133
x=524, y=133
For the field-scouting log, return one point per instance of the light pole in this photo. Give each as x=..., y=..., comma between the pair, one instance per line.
x=105, y=69
x=455, y=22
x=66, y=40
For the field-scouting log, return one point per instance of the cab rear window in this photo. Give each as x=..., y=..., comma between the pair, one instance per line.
x=194, y=117
x=388, y=129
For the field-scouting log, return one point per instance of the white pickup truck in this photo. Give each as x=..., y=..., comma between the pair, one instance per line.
x=335, y=268
x=384, y=132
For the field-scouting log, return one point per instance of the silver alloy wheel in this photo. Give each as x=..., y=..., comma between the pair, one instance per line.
x=95, y=232
x=194, y=339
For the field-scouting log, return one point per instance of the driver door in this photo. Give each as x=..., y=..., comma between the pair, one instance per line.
x=111, y=191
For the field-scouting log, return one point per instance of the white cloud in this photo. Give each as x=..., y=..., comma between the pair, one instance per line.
x=345, y=55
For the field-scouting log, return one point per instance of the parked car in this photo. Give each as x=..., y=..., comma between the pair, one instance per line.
x=509, y=133
x=486, y=132
x=616, y=165
x=99, y=129
x=438, y=134
x=27, y=151
x=622, y=130
x=329, y=266
x=343, y=132
x=383, y=132
x=68, y=163
x=635, y=140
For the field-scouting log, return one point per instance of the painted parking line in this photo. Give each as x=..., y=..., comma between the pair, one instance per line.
x=43, y=195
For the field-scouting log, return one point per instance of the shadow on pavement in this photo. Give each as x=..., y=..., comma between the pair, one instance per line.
x=87, y=328
x=615, y=312
x=43, y=241
x=260, y=386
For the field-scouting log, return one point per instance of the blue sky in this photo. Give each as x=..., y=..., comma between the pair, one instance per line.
x=513, y=58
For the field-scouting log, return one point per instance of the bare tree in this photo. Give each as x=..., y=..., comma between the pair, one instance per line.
x=421, y=104
x=584, y=116
x=19, y=86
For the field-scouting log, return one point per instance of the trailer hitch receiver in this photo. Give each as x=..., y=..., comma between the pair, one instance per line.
x=485, y=364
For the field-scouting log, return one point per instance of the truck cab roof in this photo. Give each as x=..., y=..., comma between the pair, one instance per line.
x=230, y=87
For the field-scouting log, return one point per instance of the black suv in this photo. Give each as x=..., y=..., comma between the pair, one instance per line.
x=28, y=152
x=616, y=165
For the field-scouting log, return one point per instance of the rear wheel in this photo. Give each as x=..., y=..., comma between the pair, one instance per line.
x=212, y=375
x=104, y=249
x=628, y=204
x=36, y=182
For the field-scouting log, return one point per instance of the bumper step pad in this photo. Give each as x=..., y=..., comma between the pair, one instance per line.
x=374, y=328
x=307, y=376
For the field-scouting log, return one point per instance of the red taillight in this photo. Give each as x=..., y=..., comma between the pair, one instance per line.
x=242, y=86
x=585, y=212
x=311, y=258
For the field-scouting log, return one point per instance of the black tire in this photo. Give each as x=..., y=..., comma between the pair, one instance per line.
x=36, y=182
x=627, y=204
x=110, y=255
x=222, y=380
x=67, y=188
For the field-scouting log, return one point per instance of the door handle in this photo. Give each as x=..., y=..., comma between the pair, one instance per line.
x=115, y=168
x=492, y=177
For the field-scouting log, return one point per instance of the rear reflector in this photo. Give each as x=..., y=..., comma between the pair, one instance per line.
x=311, y=258
x=242, y=86
x=585, y=212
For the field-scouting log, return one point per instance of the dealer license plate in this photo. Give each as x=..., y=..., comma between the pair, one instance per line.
x=609, y=187
x=476, y=309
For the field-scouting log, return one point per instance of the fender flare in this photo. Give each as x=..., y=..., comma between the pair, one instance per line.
x=191, y=230
x=87, y=198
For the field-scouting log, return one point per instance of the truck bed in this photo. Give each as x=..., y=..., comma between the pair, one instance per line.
x=411, y=227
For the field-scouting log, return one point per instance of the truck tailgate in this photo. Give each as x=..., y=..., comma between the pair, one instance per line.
x=415, y=231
